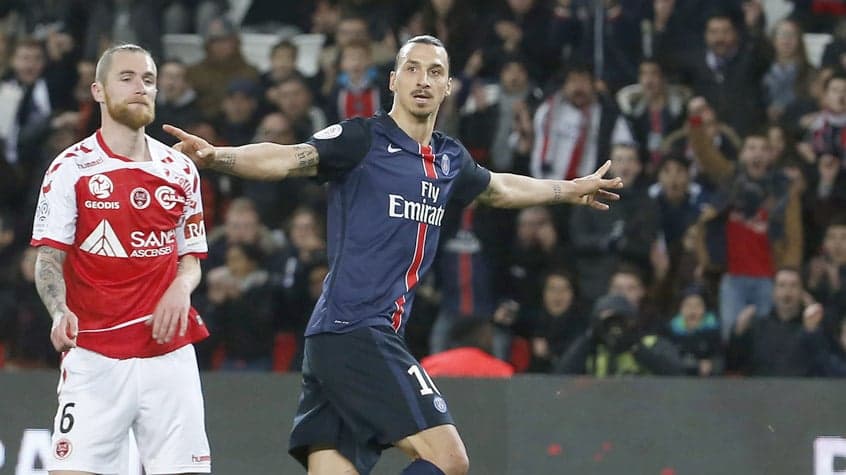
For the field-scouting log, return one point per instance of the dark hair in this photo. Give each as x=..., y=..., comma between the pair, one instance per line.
x=421, y=39
x=284, y=44
x=564, y=274
x=674, y=156
x=630, y=269
x=470, y=331
x=838, y=75
x=579, y=68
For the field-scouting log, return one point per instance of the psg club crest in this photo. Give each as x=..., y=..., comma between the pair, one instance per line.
x=445, y=164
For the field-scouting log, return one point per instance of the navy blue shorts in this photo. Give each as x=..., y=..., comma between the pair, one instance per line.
x=362, y=391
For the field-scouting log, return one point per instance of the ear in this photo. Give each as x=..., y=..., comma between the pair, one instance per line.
x=392, y=82
x=97, y=92
x=449, y=86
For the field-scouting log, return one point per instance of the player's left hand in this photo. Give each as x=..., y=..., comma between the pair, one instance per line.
x=593, y=189
x=171, y=313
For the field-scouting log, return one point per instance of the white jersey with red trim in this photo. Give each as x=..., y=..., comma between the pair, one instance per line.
x=123, y=225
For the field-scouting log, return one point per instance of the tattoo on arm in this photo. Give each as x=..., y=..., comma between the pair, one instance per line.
x=306, y=156
x=225, y=161
x=49, y=279
x=556, y=192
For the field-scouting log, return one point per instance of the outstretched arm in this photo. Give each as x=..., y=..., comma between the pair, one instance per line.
x=261, y=161
x=507, y=190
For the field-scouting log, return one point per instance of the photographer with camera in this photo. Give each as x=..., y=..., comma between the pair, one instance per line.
x=614, y=345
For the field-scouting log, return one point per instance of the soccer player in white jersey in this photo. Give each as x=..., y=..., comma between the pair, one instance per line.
x=119, y=230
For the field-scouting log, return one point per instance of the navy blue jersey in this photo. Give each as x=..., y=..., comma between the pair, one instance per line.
x=387, y=196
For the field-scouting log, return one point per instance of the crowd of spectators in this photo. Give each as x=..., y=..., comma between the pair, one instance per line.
x=725, y=255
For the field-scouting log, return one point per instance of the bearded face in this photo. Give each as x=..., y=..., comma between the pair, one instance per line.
x=135, y=113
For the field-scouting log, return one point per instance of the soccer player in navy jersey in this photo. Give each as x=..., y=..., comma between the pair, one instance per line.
x=390, y=178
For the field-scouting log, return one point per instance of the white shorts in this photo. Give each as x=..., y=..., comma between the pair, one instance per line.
x=159, y=398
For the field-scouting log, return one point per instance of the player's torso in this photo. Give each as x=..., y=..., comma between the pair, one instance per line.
x=383, y=225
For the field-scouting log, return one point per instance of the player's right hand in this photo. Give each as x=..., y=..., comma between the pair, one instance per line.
x=196, y=148
x=64, y=331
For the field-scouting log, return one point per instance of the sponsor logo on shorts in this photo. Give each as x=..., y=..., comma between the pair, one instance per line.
x=201, y=458
x=63, y=449
x=440, y=404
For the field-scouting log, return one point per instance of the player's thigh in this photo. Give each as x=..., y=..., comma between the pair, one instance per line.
x=96, y=406
x=329, y=461
x=170, y=428
x=378, y=388
x=441, y=445
x=68, y=472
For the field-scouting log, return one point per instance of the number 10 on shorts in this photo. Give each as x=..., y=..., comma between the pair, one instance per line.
x=427, y=387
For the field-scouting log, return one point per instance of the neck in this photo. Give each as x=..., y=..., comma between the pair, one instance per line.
x=419, y=129
x=125, y=141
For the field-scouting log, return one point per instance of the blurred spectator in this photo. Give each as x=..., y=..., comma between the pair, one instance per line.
x=521, y=27
x=621, y=45
x=241, y=226
x=243, y=310
x=238, y=120
x=190, y=16
x=89, y=110
x=112, y=22
x=349, y=29
x=728, y=74
x=827, y=271
x=560, y=322
x=222, y=64
x=360, y=90
x=31, y=101
x=720, y=134
x=615, y=346
x=491, y=114
x=759, y=226
x=5, y=54
x=470, y=249
x=536, y=250
x=470, y=353
x=834, y=54
x=679, y=201
x=574, y=129
x=772, y=345
x=276, y=202
x=176, y=101
x=454, y=22
x=828, y=356
x=283, y=64
x=696, y=333
x=296, y=313
x=629, y=281
x=626, y=232
x=789, y=74
x=293, y=98
x=24, y=322
x=654, y=110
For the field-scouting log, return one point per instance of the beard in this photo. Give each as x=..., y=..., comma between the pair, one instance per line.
x=133, y=117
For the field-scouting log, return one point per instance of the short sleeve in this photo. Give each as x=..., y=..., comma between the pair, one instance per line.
x=472, y=180
x=191, y=230
x=56, y=213
x=340, y=147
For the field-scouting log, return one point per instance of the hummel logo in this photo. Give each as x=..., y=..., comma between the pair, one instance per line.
x=391, y=149
x=103, y=242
